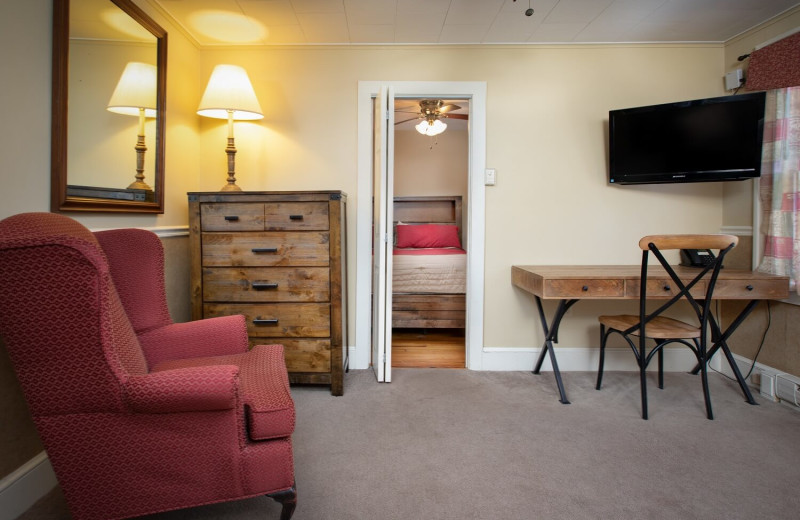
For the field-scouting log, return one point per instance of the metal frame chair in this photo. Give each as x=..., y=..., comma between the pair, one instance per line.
x=664, y=330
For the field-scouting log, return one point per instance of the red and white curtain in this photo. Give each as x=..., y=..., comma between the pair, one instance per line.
x=780, y=185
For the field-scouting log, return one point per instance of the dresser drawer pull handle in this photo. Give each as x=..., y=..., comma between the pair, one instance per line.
x=667, y=287
x=295, y=217
x=231, y=218
x=265, y=321
x=585, y=288
x=265, y=250
x=258, y=286
x=749, y=287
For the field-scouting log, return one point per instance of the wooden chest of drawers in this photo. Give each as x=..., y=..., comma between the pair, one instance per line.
x=278, y=258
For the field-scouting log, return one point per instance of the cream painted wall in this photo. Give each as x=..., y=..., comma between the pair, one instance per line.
x=546, y=128
x=431, y=165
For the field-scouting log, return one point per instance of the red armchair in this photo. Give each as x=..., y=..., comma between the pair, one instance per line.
x=137, y=414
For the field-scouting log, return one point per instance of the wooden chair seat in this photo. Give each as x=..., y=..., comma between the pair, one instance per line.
x=660, y=327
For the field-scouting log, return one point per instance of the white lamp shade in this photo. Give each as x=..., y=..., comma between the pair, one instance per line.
x=229, y=90
x=431, y=129
x=136, y=89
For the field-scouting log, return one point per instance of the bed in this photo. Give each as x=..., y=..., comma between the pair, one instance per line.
x=429, y=264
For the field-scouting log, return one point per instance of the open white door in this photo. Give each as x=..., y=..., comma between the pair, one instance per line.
x=382, y=197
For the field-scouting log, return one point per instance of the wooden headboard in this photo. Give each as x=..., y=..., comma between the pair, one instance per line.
x=429, y=210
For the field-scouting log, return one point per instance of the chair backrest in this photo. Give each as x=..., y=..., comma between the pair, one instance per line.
x=65, y=330
x=136, y=262
x=685, y=290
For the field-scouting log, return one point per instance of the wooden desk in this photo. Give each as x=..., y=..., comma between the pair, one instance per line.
x=571, y=283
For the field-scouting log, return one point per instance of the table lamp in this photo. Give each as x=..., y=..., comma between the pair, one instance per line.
x=135, y=95
x=229, y=95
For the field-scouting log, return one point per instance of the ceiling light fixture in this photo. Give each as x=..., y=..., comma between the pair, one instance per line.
x=431, y=127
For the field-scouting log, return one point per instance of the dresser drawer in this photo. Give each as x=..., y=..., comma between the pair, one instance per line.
x=266, y=249
x=302, y=355
x=308, y=216
x=232, y=216
x=266, y=284
x=278, y=320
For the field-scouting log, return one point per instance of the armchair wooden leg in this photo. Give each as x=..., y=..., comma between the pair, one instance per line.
x=288, y=499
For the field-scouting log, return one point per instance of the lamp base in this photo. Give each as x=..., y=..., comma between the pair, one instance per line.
x=139, y=185
x=231, y=151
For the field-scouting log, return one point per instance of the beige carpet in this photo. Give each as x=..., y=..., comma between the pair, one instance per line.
x=457, y=444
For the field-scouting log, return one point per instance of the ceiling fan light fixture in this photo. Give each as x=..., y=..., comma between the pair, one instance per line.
x=431, y=128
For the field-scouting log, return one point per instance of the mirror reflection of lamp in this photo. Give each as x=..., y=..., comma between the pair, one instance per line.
x=135, y=95
x=229, y=95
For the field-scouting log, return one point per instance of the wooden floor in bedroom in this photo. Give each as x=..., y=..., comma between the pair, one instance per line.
x=428, y=348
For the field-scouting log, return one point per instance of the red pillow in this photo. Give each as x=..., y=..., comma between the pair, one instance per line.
x=427, y=235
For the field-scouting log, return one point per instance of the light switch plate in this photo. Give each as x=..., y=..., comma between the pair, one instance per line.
x=491, y=177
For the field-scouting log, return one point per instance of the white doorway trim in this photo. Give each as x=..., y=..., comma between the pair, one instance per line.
x=475, y=91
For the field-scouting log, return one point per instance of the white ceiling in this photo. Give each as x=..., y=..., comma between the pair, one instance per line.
x=290, y=22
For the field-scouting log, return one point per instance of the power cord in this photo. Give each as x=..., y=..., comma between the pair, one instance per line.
x=760, y=345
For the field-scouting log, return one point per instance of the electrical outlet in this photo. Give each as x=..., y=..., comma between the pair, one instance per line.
x=767, y=386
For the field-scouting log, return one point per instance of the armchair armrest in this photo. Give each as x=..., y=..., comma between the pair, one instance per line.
x=191, y=389
x=203, y=338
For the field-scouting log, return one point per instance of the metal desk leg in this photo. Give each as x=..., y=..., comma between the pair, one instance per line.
x=720, y=342
x=550, y=337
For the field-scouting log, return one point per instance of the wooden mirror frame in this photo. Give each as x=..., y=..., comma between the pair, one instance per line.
x=59, y=200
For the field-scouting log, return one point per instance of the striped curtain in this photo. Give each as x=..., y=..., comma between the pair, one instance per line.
x=780, y=185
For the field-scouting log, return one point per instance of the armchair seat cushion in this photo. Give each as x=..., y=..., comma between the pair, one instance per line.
x=264, y=387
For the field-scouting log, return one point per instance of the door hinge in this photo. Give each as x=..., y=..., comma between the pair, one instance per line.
x=387, y=115
x=386, y=237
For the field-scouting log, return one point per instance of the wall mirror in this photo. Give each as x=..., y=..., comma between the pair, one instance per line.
x=109, y=102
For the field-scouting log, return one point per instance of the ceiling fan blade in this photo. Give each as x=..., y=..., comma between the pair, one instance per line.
x=448, y=108
x=457, y=116
x=407, y=110
x=404, y=120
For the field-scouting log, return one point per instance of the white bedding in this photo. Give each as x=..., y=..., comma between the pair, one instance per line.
x=441, y=274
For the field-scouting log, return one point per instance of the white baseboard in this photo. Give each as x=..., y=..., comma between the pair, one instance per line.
x=580, y=359
x=569, y=359
x=27, y=484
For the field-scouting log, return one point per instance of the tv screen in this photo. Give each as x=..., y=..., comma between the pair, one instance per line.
x=714, y=139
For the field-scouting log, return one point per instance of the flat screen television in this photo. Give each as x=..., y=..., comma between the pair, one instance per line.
x=703, y=140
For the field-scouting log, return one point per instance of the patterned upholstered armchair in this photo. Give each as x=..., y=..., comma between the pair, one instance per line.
x=137, y=414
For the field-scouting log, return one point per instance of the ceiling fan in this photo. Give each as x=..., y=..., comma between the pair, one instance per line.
x=431, y=111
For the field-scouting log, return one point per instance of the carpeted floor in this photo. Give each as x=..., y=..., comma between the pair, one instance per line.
x=458, y=444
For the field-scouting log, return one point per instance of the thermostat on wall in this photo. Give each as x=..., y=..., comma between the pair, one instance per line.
x=734, y=79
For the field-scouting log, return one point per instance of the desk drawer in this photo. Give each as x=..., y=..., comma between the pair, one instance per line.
x=600, y=288
x=278, y=320
x=266, y=284
x=750, y=289
x=663, y=289
x=290, y=248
